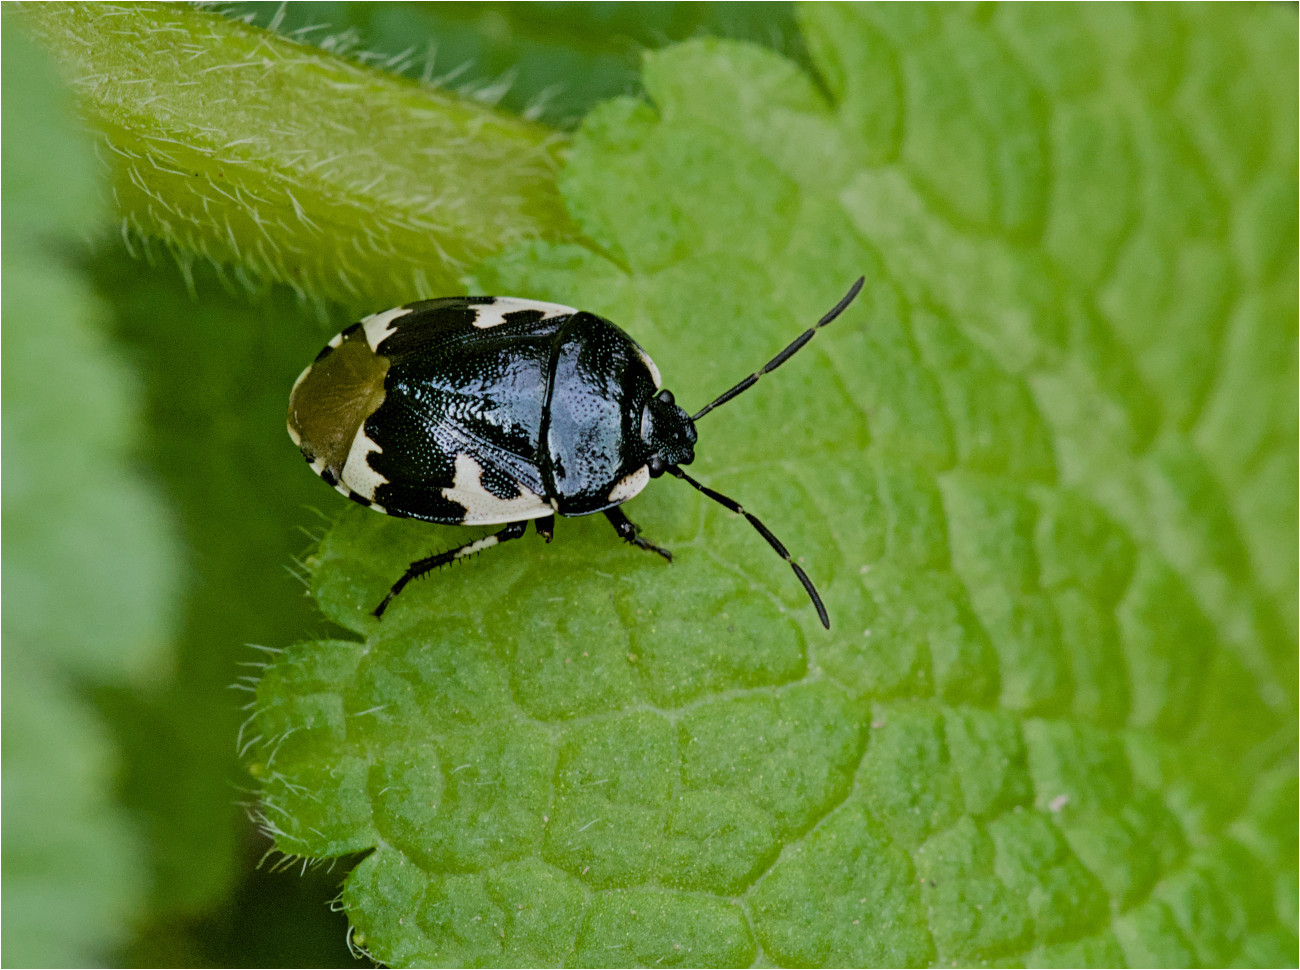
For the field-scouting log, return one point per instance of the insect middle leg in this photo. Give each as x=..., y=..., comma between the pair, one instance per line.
x=421, y=566
x=629, y=531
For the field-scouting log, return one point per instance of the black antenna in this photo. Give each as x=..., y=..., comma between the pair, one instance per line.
x=763, y=530
x=781, y=358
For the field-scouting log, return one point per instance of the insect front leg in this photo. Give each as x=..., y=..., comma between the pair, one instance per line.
x=629, y=531
x=421, y=566
x=545, y=527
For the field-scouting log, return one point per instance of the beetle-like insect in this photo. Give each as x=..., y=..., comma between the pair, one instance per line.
x=479, y=410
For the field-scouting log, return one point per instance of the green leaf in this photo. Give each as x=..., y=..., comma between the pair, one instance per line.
x=294, y=165
x=1043, y=472
x=90, y=561
x=550, y=63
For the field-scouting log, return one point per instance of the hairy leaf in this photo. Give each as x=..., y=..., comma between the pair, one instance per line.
x=294, y=165
x=1043, y=471
x=550, y=62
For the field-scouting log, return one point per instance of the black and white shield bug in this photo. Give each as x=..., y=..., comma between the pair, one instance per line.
x=480, y=410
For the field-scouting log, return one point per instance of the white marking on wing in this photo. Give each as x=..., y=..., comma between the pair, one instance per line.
x=377, y=325
x=494, y=314
x=357, y=473
x=629, y=485
x=301, y=377
x=348, y=493
x=650, y=364
x=484, y=508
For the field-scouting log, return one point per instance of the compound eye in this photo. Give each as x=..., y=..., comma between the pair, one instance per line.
x=665, y=397
x=656, y=466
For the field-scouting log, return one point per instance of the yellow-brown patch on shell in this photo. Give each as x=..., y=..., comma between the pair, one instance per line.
x=333, y=397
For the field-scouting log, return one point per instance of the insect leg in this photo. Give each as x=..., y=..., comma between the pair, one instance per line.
x=545, y=527
x=421, y=566
x=629, y=531
x=766, y=533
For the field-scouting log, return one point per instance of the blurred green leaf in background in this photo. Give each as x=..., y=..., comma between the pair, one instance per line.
x=91, y=564
x=1044, y=473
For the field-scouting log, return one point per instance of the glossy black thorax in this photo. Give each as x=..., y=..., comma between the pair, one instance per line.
x=599, y=385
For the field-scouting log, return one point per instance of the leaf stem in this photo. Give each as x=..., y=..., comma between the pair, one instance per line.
x=293, y=165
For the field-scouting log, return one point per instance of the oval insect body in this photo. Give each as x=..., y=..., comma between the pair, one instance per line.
x=492, y=410
x=476, y=411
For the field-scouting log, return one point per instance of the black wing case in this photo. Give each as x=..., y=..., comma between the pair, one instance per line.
x=459, y=429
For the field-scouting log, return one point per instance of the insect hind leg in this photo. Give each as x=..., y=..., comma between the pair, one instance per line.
x=421, y=566
x=629, y=531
